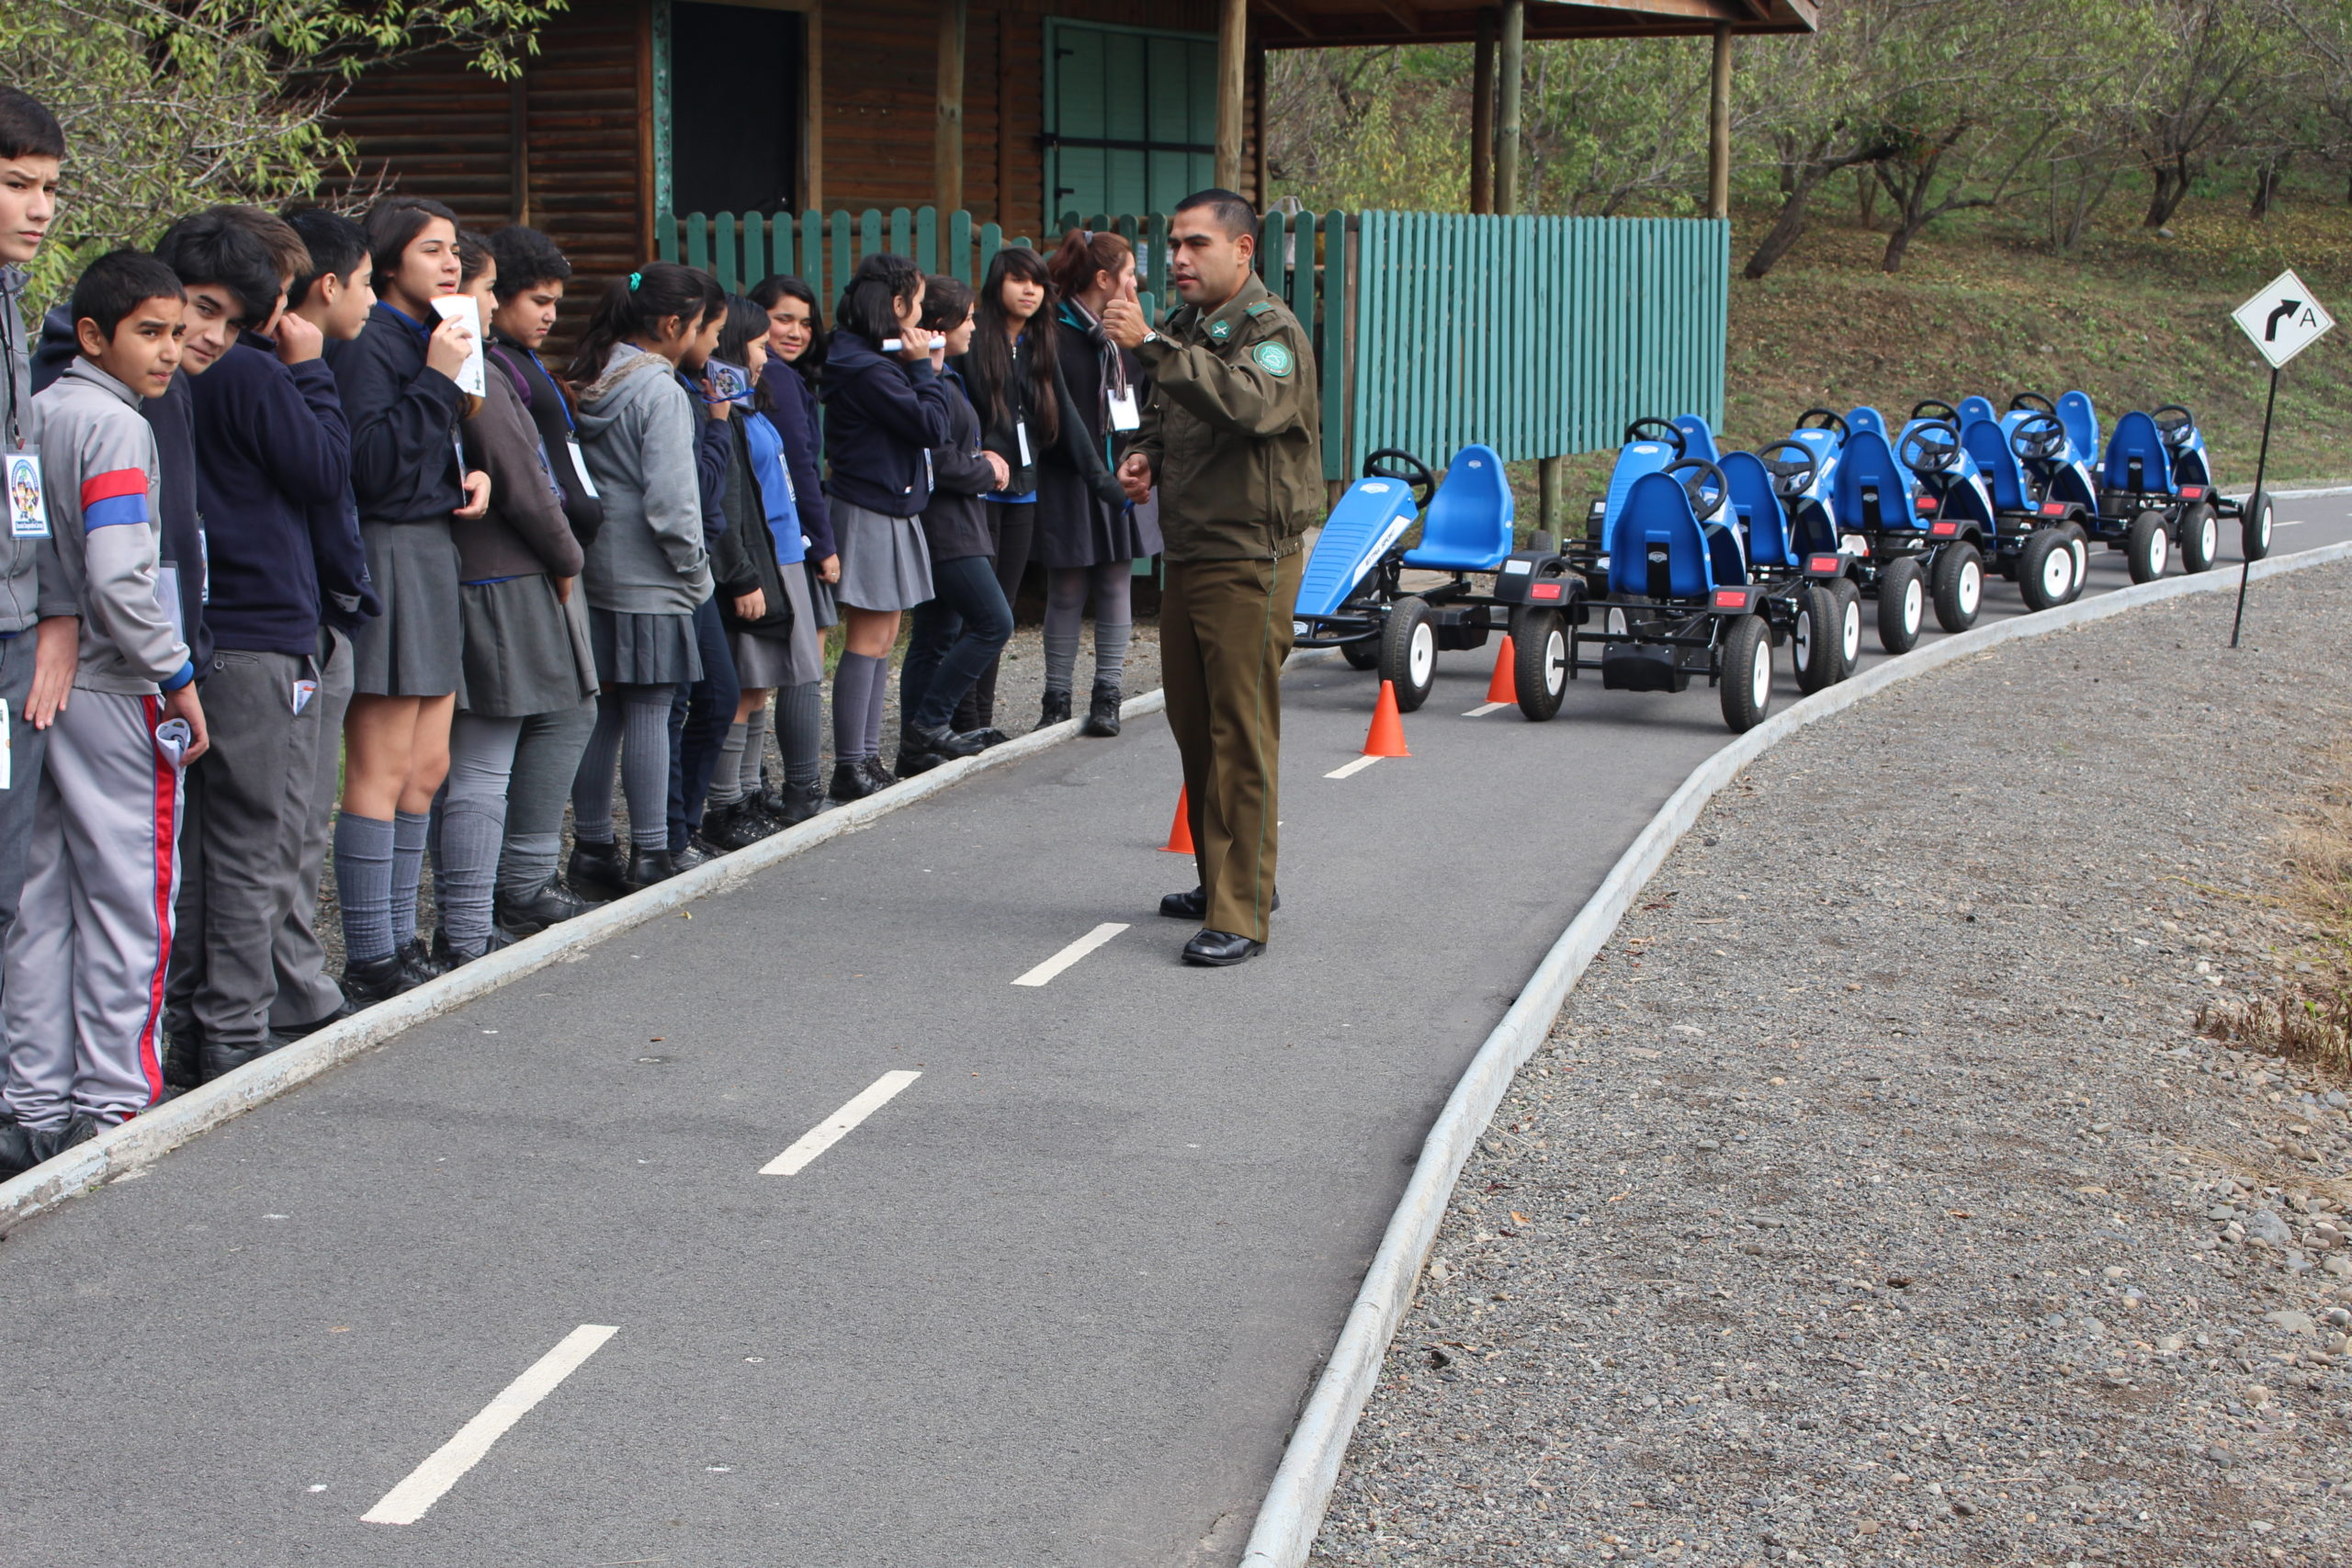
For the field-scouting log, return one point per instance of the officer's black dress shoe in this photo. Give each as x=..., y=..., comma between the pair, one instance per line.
x=1216, y=949
x=547, y=905
x=1194, y=906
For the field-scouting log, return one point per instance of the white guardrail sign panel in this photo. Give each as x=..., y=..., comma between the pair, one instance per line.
x=2283, y=320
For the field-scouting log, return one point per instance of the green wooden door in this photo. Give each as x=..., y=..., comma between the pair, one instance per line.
x=1130, y=119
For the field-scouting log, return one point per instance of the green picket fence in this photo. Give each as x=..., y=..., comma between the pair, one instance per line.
x=1538, y=336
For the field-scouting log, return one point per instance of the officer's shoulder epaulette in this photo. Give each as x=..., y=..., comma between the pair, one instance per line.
x=1261, y=307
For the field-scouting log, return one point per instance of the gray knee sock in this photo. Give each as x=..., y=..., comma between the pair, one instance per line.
x=755, y=750
x=408, y=832
x=363, y=885
x=1113, y=620
x=877, y=699
x=854, y=681
x=592, y=787
x=645, y=765
x=471, y=827
x=727, y=773
x=1065, y=615
x=800, y=728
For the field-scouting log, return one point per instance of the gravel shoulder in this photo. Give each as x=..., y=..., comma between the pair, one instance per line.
x=1874, y=1199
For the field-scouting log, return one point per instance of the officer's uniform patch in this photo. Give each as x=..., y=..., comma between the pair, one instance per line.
x=1220, y=330
x=1276, y=357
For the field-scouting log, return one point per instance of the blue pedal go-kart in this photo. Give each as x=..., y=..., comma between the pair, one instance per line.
x=1674, y=597
x=1896, y=547
x=2156, y=493
x=1789, y=536
x=2040, y=494
x=1649, y=446
x=1352, y=595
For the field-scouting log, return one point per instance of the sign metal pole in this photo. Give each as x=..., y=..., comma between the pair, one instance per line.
x=2261, y=463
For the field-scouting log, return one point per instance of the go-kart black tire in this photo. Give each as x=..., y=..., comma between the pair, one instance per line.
x=1849, y=624
x=1901, y=606
x=2254, y=532
x=1958, y=585
x=2046, y=570
x=1539, y=668
x=1812, y=643
x=2147, y=548
x=2078, y=542
x=1361, y=654
x=2201, y=536
x=1408, y=651
x=1747, y=681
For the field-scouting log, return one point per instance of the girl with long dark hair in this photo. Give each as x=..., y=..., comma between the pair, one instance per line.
x=886, y=409
x=1089, y=534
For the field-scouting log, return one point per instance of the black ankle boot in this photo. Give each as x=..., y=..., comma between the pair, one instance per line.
x=379, y=980
x=795, y=803
x=849, y=782
x=597, y=870
x=1102, y=712
x=647, y=867
x=1055, y=709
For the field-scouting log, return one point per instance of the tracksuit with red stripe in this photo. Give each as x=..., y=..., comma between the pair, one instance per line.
x=85, y=961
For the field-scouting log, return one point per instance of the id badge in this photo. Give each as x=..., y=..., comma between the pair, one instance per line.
x=1021, y=432
x=303, y=692
x=1123, y=413
x=27, y=503
x=580, y=466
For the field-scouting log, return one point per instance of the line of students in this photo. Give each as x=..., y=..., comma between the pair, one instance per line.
x=310, y=552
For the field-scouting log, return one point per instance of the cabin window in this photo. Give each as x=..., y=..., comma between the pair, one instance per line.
x=1130, y=119
x=735, y=117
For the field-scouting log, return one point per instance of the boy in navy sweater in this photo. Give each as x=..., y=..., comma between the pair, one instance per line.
x=271, y=444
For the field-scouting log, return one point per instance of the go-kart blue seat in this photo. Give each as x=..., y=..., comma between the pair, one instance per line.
x=1656, y=516
x=2081, y=420
x=1697, y=441
x=2136, y=458
x=1871, y=489
x=1373, y=514
x=1973, y=409
x=1633, y=459
x=1988, y=443
x=1758, y=510
x=1864, y=417
x=1468, y=524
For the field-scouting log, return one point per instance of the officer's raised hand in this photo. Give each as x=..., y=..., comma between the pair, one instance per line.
x=1123, y=321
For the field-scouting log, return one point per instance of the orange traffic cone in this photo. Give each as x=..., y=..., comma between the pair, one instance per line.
x=1386, y=737
x=1504, y=687
x=1180, y=832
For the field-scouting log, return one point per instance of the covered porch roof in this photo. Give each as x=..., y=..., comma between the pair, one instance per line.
x=1316, y=23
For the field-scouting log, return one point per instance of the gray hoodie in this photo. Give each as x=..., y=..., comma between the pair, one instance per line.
x=27, y=566
x=637, y=430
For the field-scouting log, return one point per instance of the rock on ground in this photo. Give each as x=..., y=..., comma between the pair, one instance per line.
x=1874, y=1200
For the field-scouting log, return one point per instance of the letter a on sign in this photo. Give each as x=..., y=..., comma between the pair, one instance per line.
x=2283, y=320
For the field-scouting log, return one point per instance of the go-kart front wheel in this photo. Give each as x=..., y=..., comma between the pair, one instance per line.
x=1361, y=654
x=2200, y=537
x=2078, y=544
x=1901, y=606
x=1958, y=586
x=2148, y=547
x=1408, y=651
x=1746, y=673
x=2046, y=570
x=1539, y=651
x=1813, y=646
x=1849, y=624
x=2254, y=532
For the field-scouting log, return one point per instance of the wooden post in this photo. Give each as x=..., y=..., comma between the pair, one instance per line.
x=1232, y=66
x=1259, y=193
x=947, y=137
x=1004, y=138
x=1482, y=116
x=812, y=112
x=1510, y=68
x=518, y=143
x=1719, y=128
x=1548, y=476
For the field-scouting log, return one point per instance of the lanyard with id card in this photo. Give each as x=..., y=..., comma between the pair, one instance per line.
x=27, y=503
x=1124, y=416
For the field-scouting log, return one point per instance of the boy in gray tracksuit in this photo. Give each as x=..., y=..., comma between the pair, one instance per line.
x=84, y=962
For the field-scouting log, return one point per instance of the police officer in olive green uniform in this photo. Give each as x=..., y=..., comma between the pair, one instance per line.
x=1231, y=437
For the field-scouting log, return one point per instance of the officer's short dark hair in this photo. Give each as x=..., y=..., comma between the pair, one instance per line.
x=1234, y=215
x=116, y=283
x=212, y=246
x=336, y=245
x=27, y=127
x=526, y=257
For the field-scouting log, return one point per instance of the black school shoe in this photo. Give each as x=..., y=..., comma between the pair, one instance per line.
x=912, y=760
x=736, y=824
x=1218, y=950
x=379, y=980
x=647, y=867
x=183, y=1043
x=297, y=1030
x=548, y=903
x=1194, y=906
x=1055, y=709
x=794, y=804
x=1102, y=712
x=17, y=1156
x=597, y=871
x=877, y=777
x=213, y=1061
x=849, y=782
x=425, y=963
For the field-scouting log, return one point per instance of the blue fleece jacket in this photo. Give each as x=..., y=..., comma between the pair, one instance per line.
x=271, y=444
x=883, y=416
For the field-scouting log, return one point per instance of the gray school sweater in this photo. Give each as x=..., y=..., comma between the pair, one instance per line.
x=98, y=468
x=22, y=577
x=637, y=430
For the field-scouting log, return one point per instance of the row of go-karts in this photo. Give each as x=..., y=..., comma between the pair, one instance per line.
x=1700, y=563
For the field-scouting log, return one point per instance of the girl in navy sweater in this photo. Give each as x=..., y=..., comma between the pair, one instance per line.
x=885, y=410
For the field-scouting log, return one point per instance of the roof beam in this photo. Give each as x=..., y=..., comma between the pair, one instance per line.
x=1283, y=13
x=1404, y=14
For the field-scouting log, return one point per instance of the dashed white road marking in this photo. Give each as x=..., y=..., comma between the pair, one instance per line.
x=840, y=1124
x=1072, y=954
x=1482, y=709
x=407, y=1503
x=1359, y=765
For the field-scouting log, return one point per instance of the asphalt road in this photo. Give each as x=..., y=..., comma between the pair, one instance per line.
x=1055, y=1302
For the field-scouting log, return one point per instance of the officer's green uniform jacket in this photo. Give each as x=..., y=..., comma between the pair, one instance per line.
x=1233, y=430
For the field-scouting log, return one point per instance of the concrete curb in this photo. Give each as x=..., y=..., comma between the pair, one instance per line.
x=125, y=1150
x=1293, y=1511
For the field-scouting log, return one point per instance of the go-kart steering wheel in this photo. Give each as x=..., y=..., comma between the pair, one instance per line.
x=2039, y=437
x=2177, y=431
x=1702, y=506
x=1395, y=463
x=1664, y=430
x=1790, y=477
x=1830, y=420
x=1930, y=448
x=2033, y=402
x=1935, y=409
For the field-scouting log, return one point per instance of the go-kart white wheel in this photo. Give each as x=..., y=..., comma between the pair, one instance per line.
x=1813, y=644
x=2200, y=537
x=2078, y=544
x=2254, y=532
x=1615, y=623
x=1539, y=648
x=1958, y=586
x=1747, y=672
x=1901, y=606
x=2045, y=569
x=1849, y=626
x=1408, y=651
x=2148, y=546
